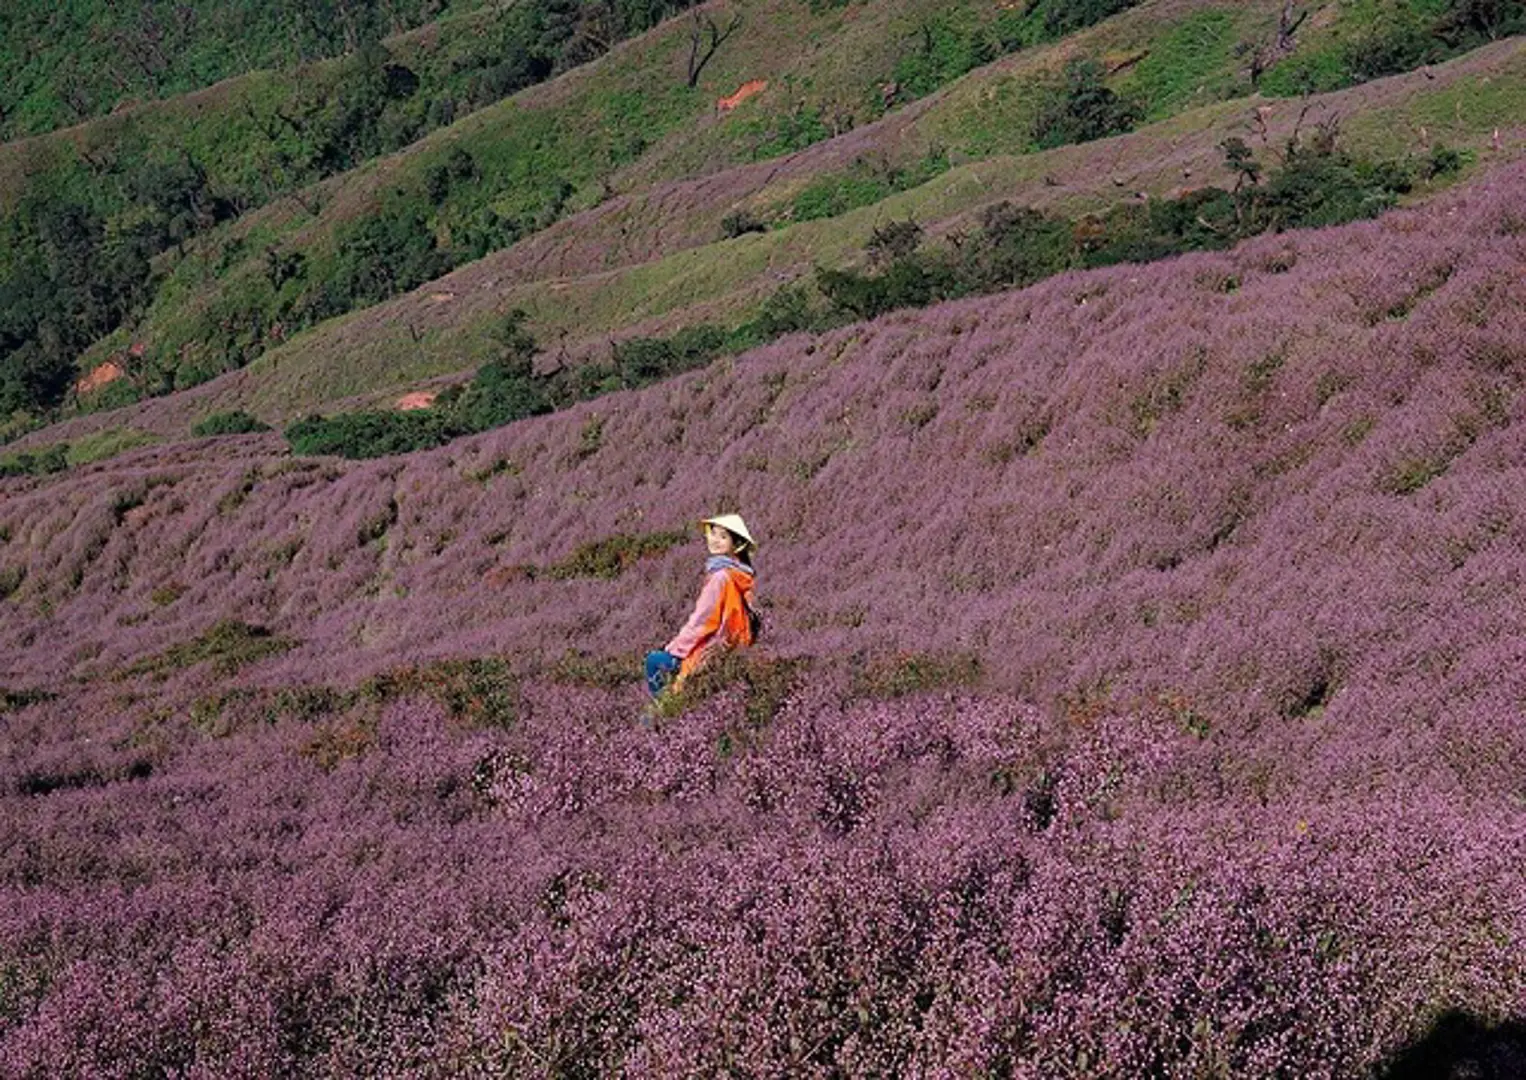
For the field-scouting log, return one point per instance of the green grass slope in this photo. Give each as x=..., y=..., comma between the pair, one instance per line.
x=61, y=63
x=619, y=179
x=446, y=327
x=373, y=356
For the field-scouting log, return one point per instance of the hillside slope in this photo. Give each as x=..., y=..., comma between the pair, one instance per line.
x=608, y=130
x=1140, y=696
x=1136, y=439
x=654, y=260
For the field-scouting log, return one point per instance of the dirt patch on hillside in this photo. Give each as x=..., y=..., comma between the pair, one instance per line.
x=103, y=375
x=745, y=91
x=419, y=399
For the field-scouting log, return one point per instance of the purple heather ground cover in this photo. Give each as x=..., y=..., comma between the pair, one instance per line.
x=1235, y=542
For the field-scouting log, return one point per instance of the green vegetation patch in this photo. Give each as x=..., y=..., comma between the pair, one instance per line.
x=611, y=556
x=236, y=422
x=227, y=646
x=914, y=673
x=106, y=444
x=85, y=450
x=372, y=433
x=482, y=691
x=11, y=700
x=1375, y=38
x=43, y=462
x=869, y=180
x=1192, y=64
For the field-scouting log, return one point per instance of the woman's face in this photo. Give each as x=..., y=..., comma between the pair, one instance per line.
x=719, y=540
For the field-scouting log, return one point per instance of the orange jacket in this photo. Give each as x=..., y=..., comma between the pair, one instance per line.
x=720, y=619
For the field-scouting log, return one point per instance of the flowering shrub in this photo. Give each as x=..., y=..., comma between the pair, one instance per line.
x=1143, y=709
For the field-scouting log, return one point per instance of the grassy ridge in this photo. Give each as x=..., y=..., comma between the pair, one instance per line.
x=533, y=160
x=414, y=338
x=513, y=169
x=536, y=160
x=64, y=63
x=367, y=358
x=96, y=218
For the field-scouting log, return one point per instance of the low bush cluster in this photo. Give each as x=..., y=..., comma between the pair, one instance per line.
x=227, y=646
x=1314, y=183
x=503, y=390
x=1079, y=107
x=509, y=389
x=81, y=248
x=1396, y=37
x=44, y=462
x=944, y=47
x=236, y=422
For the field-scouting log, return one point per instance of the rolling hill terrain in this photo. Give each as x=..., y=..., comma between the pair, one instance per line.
x=1142, y=678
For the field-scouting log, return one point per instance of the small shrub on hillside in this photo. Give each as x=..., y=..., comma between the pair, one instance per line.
x=372, y=434
x=899, y=276
x=740, y=223
x=913, y=281
x=641, y=361
x=1078, y=108
x=505, y=389
x=791, y=309
x=1468, y=21
x=1322, y=185
x=1443, y=161
x=864, y=183
x=228, y=423
x=11, y=578
x=897, y=240
x=384, y=255
x=786, y=134
x=500, y=393
x=457, y=168
x=941, y=50
x=1059, y=18
x=1396, y=44
x=44, y=462
x=1016, y=246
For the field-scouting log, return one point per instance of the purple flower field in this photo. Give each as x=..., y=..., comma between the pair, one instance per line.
x=1144, y=694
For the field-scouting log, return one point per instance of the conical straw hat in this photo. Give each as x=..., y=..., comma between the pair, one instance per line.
x=733, y=523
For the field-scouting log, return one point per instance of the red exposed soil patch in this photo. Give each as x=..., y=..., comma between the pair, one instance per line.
x=109, y=372
x=745, y=91
x=419, y=399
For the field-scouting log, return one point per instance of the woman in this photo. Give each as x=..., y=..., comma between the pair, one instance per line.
x=722, y=617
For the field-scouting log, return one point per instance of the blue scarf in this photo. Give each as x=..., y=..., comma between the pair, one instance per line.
x=726, y=562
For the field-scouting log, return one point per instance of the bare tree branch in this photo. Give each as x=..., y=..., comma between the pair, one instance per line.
x=700, y=51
